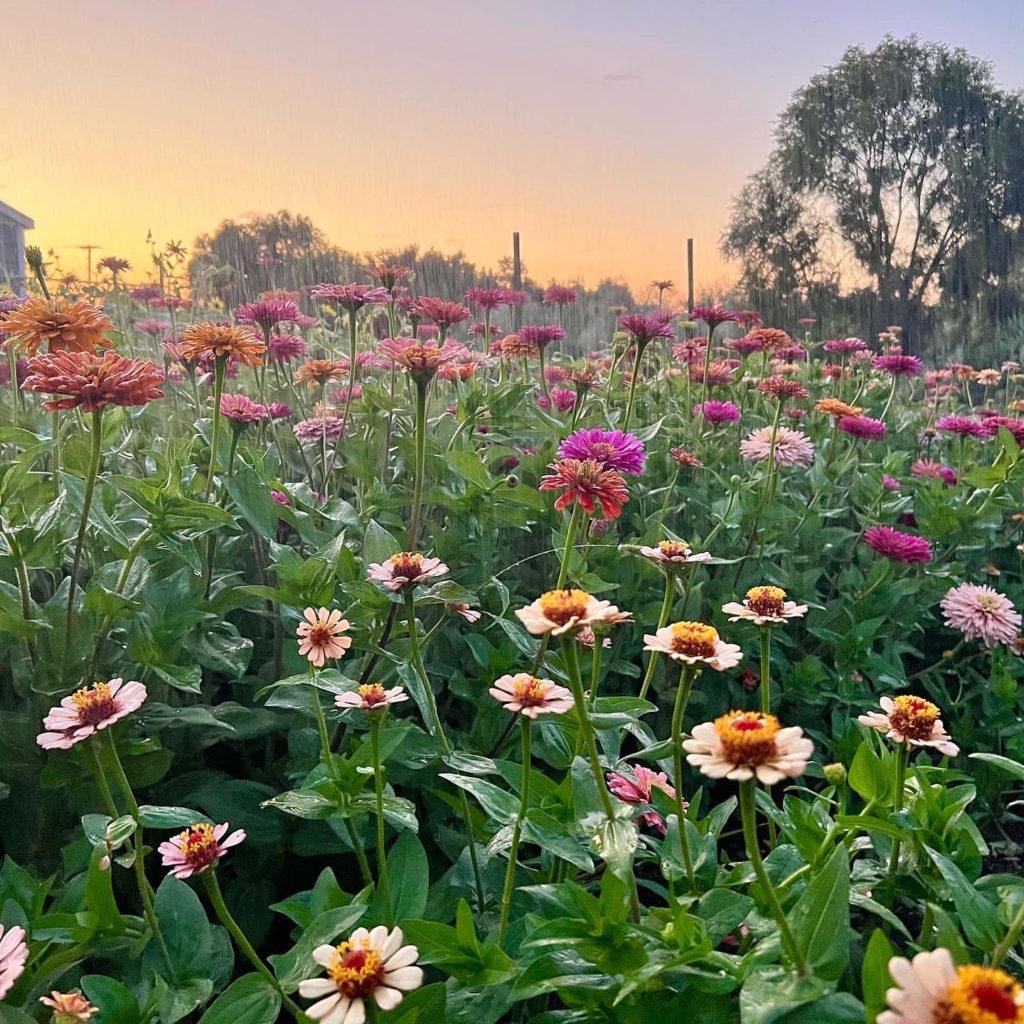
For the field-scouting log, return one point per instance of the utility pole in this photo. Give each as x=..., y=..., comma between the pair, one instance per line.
x=517, y=281
x=689, y=275
x=88, y=257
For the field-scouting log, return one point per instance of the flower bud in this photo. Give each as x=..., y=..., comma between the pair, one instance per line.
x=835, y=774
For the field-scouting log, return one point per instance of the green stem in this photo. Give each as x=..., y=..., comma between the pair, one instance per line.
x=378, y=789
x=24, y=589
x=902, y=758
x=422, y=387
x=570, y=537
x=632, y=386
x=218, y=390
x=888, y=402
x=586, y=727
x=90, y=487
x=686, y=678
x=748, y=812
x=1009, y=940
x=543, y=376
x=517, y=830
x=666, y=608
x=766, y=670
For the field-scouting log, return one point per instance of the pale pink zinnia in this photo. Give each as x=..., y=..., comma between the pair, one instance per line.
x=981, y=613
x=371, y=698
x=405, y=569
x=694, y=643
x=88, y=710
x=530, y=696
x=791, y=447
x=670, y=553
x=199, y=847
x=746, y=744
x=567, y=611
x=13, y=955
x=765, y=606
x=911, y=720
x=321, y=635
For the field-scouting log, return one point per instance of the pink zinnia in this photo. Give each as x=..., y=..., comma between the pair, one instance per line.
x=314, y=431
x=862, y=426
x=441, y=311
x=562, y=398
x=13, y=956
x=241, y=409
x=405, y=569
x=530, y=696
x=279, y=410
x=715, y=315
x=612, y=448
x=791, y=447
x=351, y=296
x=964, y=426
x=487, y=298
x=981, y=613
x=932, y=470
x=897, y=546
x=638, y=790
x=154, y=328
x=266, y=313
x=540, y=335
x=89, y=710
x=718, y=412
x=644, y=329
x=198, y=848
x=321, y=636
x=844, y=345
x=560, y=295
x=745, y=346
x=371, y=698
x=286, y=347
x=898, y=364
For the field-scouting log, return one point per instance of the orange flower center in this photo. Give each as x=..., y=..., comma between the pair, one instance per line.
x=562, y=606
x=674, y=548
x=766, y=600
x=198, y=846
x=981, y=995
x=406, y=564
x=530, y=692
x=694, y=639
x=747, y=737
x=372, y=693
x=914, y=717
x=357, y=969
x=95, y=703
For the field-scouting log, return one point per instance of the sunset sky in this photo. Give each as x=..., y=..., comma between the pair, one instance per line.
x=605, y=132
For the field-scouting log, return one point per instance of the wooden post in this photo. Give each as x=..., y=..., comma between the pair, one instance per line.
x=517, y=281
x=689, y=276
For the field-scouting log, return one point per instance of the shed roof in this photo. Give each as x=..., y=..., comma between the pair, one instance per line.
x=19, y=218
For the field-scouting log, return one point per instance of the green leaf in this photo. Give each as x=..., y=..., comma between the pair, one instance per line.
x=378, y=544
x=116, y=1004
x=820, y=919
x=330, y=927
x=185, y=929
x=153, y=816
x=249, y=1000
x=979, y=917
x=468, y=465
x=498, y=804
x=1006, y=764
x=723, y=911
x=870, y=776
x=874, y=974
x=409, y=875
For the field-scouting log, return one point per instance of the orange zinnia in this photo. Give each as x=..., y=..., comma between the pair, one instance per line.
x=219, y=341
x=66, y=326
x=319, y=372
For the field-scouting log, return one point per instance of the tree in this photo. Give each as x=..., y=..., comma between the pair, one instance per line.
x=909, y=154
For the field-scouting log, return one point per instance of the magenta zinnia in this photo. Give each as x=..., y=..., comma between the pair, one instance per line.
x=612, y=448
x=897, y=546
x=898, y=365
x=862, y=426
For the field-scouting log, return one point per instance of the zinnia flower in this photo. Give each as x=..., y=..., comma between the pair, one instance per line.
x=367, y=964
x=321, y=636
x=564, y=611
x=713, y=316
x=350, y=296
x=718, y=412
x=92, y=382
x=221, y=341
x=198, y=848
x=561, y=398
x=313, y=431
x=791, y=447
x=68, y=1007
x=770, y=339
x=898, y=365
x=684, y=459
x=645, y=328
x=405, y=569
x=964, y=426
x=674, y=552
x=515, y=347
x=844, y=345
x=13, y=956
x=781, y=388
x=421, y=361
x=913, y=721
x=765, y=606
x=318, y=373
x=745, y=744
x=371, y=698
x=929, y=469
x=638, y=790
x=862, y=426
x=63, y=325
x=286, y=347
x=694, y=643
x=266, y=313
x=88, y=710
x=540, y=335
x=530, y=696
x=836, y=409
x=981, y=613
x=559, y=295
x=441, y=312
x=612, y=448
x=931, y=989
x=242, y=410
x=588, y=483
x=897, y=546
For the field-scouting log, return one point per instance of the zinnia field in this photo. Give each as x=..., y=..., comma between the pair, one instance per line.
x=370, y=655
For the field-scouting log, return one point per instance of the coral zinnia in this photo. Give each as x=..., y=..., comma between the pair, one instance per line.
x=218, y=341
x=88, y=710
x=588, y=483
x=420, y=360
x=612, y=448
x=913, y=721
x=790, y=447
x=321, y=635
x=63, y=325
x=745, y=744
x=91, y=382
x=441, y=311
x=771, y=339
x=68, y=1007
x=242, y=410
x=836, y=409
x=981, y=613
x=897, y=546
x=674, y=553
x=319, y=372
x=198, y=848
x=531, y=696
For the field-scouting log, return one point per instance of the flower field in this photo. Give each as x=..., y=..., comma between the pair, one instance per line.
x=373, y=655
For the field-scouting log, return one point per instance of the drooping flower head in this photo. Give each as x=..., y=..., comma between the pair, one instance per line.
x=267, y=313
x=69, y=1007
x=790, y=447
x=540, y=335
x=587, y=483
x=371, y=698
x=694, y=643
x=898, y=546
x=981, y=613
x=527, y=695
x=58, y=323
x=13, y=956
x=405, y=569
x=645, y=328
x=115, y=264
x=198, y=848
x=90, y=382
x=612, y=448
x=389, y=274
x=913, y=721
x=89, y=710
x=286, y=347
x=351, y=297
x=321, y=635
x=684, y=459
x=441, y=312
x=765, y=606
x=713, y=316
x=566, y=611
x=747, y=744
x=368, y=964
x=931, y=989
x=420, y=360
x=487, y=298
x=221, y=341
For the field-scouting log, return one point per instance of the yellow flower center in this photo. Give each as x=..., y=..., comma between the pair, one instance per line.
x=530, y=692
x=694, y=639
x=372, y=693
x=981, y=995
x=198, y=845
x=406, y=564
x=914, y=717
x=674, y=548
x=766, y=600
x=747, y=737
x=562, y=606
x=94, y=703
x=357, y=969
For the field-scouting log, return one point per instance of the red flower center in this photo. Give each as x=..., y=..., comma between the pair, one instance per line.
x=95, y=704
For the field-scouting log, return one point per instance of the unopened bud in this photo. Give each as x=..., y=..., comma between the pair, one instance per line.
x=835, y=774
